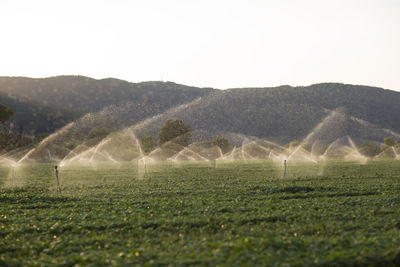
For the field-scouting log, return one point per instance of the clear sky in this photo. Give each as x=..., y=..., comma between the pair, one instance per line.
x=216, y=43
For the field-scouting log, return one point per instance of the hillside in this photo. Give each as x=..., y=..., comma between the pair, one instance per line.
x=280, y=114
x=75, y=96
x=37, y=118
x=286, y=113
x=85, y=94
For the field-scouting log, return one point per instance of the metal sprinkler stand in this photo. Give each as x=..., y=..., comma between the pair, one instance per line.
x=58, y=181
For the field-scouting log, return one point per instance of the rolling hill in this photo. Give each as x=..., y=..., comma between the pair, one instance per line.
x=37, y=118
x=281, y=114
x=286, y=113
x=66, y=98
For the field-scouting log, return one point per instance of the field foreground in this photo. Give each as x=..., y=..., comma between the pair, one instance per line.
x=236, y=214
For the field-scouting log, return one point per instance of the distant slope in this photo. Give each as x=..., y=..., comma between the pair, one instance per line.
x=280, y=113
x=286, y=113
x=80, y=95
x=85, y=94
x=372, y=104
x=36, y=118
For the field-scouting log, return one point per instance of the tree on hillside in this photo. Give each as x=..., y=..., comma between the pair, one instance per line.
x=94, y=136
x=292, y=144
x=40, y=137
x=296, y=143
x=5, y=134
x=388, y=141
x=147, y=143
x=5, y=114
x=97, y=132
x=222, y=142
x=175, y=130
x=369, y=150
x=397, y=145
x=20, y=132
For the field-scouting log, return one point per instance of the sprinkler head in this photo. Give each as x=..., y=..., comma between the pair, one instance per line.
x=56, y=167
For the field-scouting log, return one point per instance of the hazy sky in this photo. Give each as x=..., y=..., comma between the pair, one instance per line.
x=219, y=43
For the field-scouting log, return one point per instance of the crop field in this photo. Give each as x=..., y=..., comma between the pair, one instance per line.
x=245, y=213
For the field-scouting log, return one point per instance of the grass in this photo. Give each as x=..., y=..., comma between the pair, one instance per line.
x=336, y=214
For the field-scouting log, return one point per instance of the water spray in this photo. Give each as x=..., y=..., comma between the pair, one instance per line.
x=284, y=169
x=13, y=174
x=145, y=168
x=58, y=181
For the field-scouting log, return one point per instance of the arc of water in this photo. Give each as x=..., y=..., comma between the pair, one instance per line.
x=168, y=113
x=329, y=148
x=8, y=161
x=76, y=157
x=325, y=120
x=155, y=151
x=267, y=150
x=313, y=148
x=101, y=144
x=242, y=153
x=294, y=152
x=185, y=149
x=269, y=143
x=140, y=147
x=271, y=154
x=108, y=156
x=49, y=154
x=220, y=152
x=69, y=155
x=47, y=139
x=230, y=156
x=26, y=155
x=246, y=155
x=384, y=153
x=304, y=154
x=13, y=152
x=90, y=153
x=396, y=153
x=361, y=157
x=135, y=141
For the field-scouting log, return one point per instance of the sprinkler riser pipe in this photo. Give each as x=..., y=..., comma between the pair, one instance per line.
x=58, y=180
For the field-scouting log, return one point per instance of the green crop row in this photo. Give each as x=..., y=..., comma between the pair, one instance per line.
x=339, y=213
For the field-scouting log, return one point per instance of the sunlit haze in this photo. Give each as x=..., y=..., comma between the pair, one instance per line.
x=220, y=43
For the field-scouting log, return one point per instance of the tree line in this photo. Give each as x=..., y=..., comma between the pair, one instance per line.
x=373, y=150
x=367, y=149
x=174, y=130
x=9, y=137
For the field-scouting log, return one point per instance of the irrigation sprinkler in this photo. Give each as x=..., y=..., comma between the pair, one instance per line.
x=284, y=169
x=58, y=181
x=142, y=167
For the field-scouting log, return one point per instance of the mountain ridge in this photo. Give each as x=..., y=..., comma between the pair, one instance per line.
x=281, y=113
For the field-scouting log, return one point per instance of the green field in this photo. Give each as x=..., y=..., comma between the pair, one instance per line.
x=337, y=213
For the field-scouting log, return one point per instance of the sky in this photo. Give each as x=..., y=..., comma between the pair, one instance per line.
x=205, y=43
